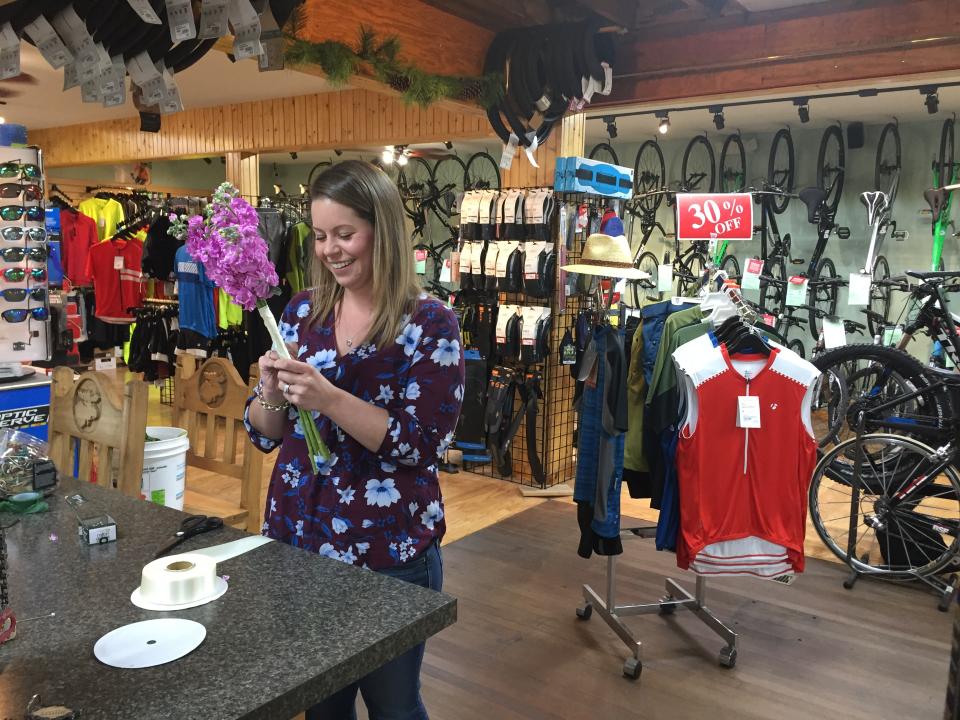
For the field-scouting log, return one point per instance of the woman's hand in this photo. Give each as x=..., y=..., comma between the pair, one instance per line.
x=269, y=380
x=303, y=385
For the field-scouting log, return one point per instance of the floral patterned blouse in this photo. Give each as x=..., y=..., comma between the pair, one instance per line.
x=375, y=509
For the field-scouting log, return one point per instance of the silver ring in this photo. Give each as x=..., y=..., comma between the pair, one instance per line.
x=284, y=388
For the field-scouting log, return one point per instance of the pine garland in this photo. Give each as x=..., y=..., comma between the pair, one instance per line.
x=340, y=62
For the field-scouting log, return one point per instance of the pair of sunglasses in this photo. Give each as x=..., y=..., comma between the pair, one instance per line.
x=16, y=169
x=18, y=315
x=20, y=274
x=30, y=191
x=12, y=213
x=20, y=294
x=38, y=254
x=16, y=234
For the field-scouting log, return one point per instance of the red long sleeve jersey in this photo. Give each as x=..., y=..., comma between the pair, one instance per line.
x=745, y=484
x=114, y=266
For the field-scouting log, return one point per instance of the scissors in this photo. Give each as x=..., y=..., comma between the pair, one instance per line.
x=191, y=526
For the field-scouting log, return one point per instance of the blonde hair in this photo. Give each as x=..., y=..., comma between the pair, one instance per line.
x=368, y=191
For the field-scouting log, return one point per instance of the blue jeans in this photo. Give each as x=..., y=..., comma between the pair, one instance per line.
x=391, y=692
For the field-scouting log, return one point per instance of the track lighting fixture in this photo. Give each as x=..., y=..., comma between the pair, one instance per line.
x=932, y=99
x=803, y=109
x=448, y=145
x=293, y=156
x=338, y=153
x=664, y=126
x=208, y=161
x=401, y=159
x=387, y=156
x=718, y=120
x=611, y=122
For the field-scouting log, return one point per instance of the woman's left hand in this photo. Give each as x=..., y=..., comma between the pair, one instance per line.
x=304, y=386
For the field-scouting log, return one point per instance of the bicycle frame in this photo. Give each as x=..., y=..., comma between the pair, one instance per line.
x=929, y=314
x=941, y=224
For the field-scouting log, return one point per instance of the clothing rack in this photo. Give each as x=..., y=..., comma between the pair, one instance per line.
x=161, y=301
x=676, y=595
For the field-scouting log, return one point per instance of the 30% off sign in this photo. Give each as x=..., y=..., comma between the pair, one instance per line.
x=714, y=216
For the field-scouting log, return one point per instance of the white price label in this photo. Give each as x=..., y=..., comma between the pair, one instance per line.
x=509, y=150
x=144, y=9
x=751, y=274
x=892, y=335
x=665, y=277
x=420, y=260
x=797, y=290
x=834, y=334
x=105, y=363
x=445, y=271
x=118, y=263
x=748, y=411
x=180, y=18
x=213, y=19
x=859, y=289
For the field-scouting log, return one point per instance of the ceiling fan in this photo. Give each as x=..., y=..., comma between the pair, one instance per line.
x=9, y=89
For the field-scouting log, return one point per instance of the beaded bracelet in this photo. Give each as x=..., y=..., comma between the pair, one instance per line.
x=270, y=407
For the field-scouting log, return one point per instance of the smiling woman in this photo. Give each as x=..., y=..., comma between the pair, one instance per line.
x=379, y=365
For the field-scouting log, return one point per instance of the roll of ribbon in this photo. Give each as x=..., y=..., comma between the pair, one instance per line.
x=177, y=582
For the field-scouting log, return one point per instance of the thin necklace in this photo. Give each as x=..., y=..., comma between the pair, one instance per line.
x=349, y=340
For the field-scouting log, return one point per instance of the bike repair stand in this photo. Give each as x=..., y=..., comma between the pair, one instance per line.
x=676, y=597
x=946, y=589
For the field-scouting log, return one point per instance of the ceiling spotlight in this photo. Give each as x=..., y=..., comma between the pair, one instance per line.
x=401, y=159
x=448, y=145
x=718, y=119
x=664, y=126
x=338, y=152
x=803, y=109
x=387, y=156
x=2, y=120
x=303, y=189
x=611, y=122
x=932, y=100
x=293, y=156
x=208, y=161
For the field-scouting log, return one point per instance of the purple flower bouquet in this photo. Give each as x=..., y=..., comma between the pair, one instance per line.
x=226, y=240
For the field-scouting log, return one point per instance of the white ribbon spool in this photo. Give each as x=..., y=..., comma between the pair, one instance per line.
x=178, y=582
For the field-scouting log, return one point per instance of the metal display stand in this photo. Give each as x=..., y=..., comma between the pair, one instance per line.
x=676, y=597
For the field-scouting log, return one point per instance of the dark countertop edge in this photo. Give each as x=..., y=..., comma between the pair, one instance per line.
x=298, y=699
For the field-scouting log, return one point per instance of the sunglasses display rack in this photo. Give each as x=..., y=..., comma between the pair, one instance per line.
x=24, y=300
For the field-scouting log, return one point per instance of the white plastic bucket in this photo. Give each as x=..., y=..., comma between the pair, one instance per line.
x=165, y=466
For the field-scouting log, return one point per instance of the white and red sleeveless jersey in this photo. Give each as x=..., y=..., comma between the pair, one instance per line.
x=743, y=491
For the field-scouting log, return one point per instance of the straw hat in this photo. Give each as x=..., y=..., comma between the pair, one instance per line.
x=607, y=256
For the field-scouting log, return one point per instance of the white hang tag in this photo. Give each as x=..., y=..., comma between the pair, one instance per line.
x=509, y=150
x=271, y=42
x=665, y=277
x=145, y=10
x=420, y=261
x=534, y=143
x=859, y=291
x=180, y=19
x=111, y=80
x=607, y=80
x=171, y=102
x=490, y=260
x=71, y=78
x=892, y=335
x=213, y=19
x=118, y=262
x=797, y=290
x=53, y=49
x=528, y=326
x=90, y=91
x=466, y=255
x=834, y=334
x=748, y=411
x=145, y=74
x=105, y=363
x=88, y=59
x=8, y=38
x=446, y=270
x=751, y=274
x=246, y=29
x=118, y=95
x=9, y=63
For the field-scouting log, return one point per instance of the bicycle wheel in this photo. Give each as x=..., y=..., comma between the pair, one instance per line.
x=830, y=166
x=733, y=165
x=887, y=166
x=649, y=263
x=823, y=297
x=858, y=378
x=796, y=344
x=413, y=182
x=449, y=176
x=879, y=296
x=773, y=292
x=945, y=159
x=731, y=267
x=899, y=519
x=483, y=173
x=780, y=168
x=649, y=174
x=689, y=274
x=699, y=168
x=603, y=152
x=317, y=169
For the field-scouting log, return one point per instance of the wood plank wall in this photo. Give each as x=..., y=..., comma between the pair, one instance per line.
x=345, y=118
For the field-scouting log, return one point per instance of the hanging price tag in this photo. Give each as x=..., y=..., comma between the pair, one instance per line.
x=445, y=271
x=665, y=277
x=751, y=274
x=145, y=10
x=797, y=290
x=49, y=44
x=834, y=334
x=509, y=150
x=180, y=17
x=769, y=320
x=420, y=257
x=892, y=335
x=118, y=263
x=859, y=289
x=213, y=19
x=455, y=266
x=748, y=411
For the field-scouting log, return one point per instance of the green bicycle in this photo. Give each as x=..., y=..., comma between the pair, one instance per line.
x=940, y=198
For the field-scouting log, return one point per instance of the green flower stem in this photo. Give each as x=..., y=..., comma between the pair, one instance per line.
x=315, y=444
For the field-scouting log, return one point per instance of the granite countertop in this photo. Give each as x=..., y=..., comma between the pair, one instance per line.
x=292, y=629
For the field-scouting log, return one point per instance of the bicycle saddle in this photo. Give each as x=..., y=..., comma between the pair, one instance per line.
x=813, y=198
x=876, y=202
x=936, y=198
